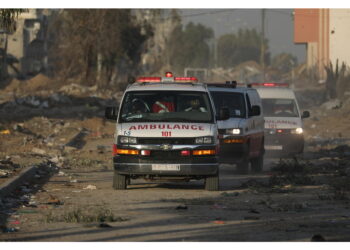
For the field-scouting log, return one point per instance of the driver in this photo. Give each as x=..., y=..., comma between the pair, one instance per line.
x=195, y=106
x=138, y=106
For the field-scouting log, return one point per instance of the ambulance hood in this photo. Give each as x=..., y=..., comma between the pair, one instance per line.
x=171, y=129
x=283, y=122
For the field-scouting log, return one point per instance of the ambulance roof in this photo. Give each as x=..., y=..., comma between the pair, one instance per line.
x=282, y=93
x=230, y=89
x=167, y=86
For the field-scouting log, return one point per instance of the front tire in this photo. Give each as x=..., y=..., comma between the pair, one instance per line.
x=257, y=164
x=212, y=183
x=243, y=166
x=119, y=181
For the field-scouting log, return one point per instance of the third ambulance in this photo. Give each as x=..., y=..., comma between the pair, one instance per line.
x=283, y=120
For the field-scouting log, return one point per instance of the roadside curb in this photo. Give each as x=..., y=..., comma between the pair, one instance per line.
x=25, y=175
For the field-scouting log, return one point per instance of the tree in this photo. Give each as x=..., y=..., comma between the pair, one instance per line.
x=243, y=46
x=96, y=45
x=189, y=47
x=7, y=25
x=8, y=18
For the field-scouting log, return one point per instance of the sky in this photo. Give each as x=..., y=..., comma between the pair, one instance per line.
x=279, y=26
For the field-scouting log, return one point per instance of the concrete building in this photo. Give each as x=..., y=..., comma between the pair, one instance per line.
x=26, y=48
x=326, y=33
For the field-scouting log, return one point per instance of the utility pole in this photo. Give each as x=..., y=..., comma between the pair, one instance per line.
x=262, y=50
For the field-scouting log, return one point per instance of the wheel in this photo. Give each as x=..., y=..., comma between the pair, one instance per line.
x=243, y=166
x=119, y=181
x=257, y=164
x=212, y=183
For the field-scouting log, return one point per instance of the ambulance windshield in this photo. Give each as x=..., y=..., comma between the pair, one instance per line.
x=279, y=108
x=166, y=106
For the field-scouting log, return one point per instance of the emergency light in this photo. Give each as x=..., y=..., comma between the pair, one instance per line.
x=269, y=84
x=169, y=77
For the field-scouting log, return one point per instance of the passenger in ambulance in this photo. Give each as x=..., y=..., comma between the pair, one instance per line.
x=283, y=109
x=164, y=104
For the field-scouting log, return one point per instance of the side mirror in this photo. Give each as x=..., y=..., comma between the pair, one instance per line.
x=305, y=114
x=110, y=113
x=256, y=111
x=224, y=113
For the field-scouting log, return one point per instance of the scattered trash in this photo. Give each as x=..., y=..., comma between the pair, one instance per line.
x=219, y=222
x=15, y=222
x=181, y=207
x=27, y=211
x=90, y=187
x=5, y=132
x=74, y=181
x=5, y=173
x=61, y=173
x=54, y=201
x=226, y=194
x=318, y=237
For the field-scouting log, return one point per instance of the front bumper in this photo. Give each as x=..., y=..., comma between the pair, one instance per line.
x=232, y=153
x=284, y=144
x=151, y=166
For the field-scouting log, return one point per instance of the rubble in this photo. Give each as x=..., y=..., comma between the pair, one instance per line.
x=332, y=104
x=38, y=151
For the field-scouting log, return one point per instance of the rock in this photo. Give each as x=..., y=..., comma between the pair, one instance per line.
x=318, y=237
x=90, y=187
x=181, y=207
x=38, y=151
x=332, y=104
x=69, y=149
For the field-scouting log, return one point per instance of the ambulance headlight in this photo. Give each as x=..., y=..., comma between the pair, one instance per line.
x=233, y=131
x=204, y=140
x=297, y=131
x=127, y=140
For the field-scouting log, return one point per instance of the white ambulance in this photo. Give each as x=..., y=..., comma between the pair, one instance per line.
x=283, y=120
x=242, y=135
x=166, y=129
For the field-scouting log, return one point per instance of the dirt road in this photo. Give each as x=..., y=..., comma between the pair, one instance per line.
x=246, y=209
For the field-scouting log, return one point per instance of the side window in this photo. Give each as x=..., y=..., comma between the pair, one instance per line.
x=249, y=106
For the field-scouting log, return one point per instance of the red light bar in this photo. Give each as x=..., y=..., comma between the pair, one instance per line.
x=270, y=84
x=185, y=79
x=149, y=79
x=168, y=74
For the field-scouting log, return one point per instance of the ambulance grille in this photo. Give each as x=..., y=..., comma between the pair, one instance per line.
x=171, y=141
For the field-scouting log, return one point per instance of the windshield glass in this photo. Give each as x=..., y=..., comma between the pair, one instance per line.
x=233, y=101
x=279, y=108
x=166, y=106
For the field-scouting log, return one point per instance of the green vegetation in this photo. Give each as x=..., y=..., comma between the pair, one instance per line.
x=245, y=45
